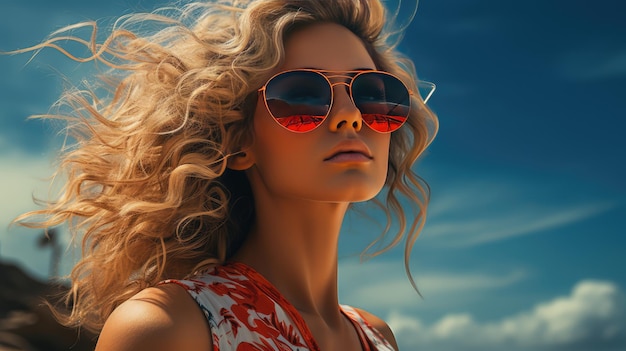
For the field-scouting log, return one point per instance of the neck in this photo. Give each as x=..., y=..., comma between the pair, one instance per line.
x=294, y=246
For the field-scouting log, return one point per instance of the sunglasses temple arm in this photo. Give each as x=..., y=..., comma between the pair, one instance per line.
x=431, y=91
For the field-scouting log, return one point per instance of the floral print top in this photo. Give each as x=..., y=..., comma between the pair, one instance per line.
x=246, y=312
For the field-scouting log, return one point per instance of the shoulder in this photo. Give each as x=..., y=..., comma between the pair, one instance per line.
x=157, y=319
x=379, y=325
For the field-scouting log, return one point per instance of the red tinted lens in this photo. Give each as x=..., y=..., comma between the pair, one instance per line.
x=384, y=101
x=298, y=100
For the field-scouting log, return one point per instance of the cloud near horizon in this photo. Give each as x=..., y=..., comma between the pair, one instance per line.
x=591, y=317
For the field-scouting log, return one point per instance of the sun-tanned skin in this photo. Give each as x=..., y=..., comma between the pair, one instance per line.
x=301, y=199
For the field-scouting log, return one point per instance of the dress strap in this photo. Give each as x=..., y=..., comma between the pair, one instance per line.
x=371, y=338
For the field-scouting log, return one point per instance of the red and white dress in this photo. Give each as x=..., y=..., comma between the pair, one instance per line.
x=246, y=312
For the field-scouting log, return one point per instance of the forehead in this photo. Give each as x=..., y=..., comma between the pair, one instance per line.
x=326, y=46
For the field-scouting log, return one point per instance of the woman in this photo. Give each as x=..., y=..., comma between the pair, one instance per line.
x=210, y=185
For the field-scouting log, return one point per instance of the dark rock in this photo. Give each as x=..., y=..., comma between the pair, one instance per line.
x=26, y=322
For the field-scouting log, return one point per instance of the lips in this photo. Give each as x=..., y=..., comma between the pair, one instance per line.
x=350, y=150
x=349, y=157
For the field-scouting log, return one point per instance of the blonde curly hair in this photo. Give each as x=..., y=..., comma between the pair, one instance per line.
x=146, y=184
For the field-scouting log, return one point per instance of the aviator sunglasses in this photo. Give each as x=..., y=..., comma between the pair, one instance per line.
x=301, y=99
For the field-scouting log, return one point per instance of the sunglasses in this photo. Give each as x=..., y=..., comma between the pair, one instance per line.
x=301, y=99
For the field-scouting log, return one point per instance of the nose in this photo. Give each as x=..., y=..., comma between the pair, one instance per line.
x=344, y=114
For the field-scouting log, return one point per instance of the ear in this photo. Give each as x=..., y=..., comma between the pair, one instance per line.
x=241, y=160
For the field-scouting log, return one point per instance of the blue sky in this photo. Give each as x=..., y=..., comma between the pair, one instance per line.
x=524, y=245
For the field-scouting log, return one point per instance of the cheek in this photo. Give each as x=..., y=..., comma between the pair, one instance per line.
x=261, y=116
x=279, y=154
x=379, y=142
x=382, y=147
x=271, y=140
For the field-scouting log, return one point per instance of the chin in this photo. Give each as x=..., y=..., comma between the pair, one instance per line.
x=355, y=194
x=366, y=197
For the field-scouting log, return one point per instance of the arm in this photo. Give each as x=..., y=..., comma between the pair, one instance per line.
x=162, y=318
x=381, y=326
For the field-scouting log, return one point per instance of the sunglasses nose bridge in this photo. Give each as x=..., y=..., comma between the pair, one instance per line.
x=343, y=111
x=340, y=78
x=335, y=92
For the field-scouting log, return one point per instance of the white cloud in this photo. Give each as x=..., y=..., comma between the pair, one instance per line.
x=21, y=177
x=592, y=317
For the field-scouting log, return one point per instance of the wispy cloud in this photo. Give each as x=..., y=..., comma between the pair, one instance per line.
x=479, y=212
x=517, y=222
x=469, y=26
x=593, y=64
x=591, y=317
x=438, y=287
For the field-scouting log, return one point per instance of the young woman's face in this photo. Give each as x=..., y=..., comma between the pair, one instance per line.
x=342, y=160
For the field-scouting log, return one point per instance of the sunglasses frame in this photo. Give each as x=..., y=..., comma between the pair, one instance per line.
x=345, y=78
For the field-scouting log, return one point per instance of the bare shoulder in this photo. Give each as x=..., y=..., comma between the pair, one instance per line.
x=380, y=325
x=157, y=319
